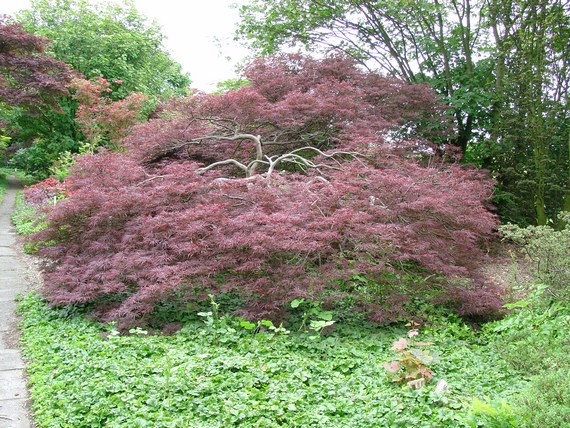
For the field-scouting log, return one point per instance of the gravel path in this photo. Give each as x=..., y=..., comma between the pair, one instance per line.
x=15, y=278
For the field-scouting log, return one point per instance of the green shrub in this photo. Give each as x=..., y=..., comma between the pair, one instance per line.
x=534, y=341
x=3, y=184
x=28, y=219
x=549, y=249
x=546, y=401
x=492, y=415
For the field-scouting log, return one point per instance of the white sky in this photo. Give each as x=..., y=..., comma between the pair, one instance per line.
x=199, y=35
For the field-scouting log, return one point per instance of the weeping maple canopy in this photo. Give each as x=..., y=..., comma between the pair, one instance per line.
x=28, y=77
x=315, y=174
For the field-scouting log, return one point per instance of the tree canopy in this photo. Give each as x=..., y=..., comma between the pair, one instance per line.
x=500, y=67
x=108, y=39
x=292, y=186
x=29, y=77
x=32, y=87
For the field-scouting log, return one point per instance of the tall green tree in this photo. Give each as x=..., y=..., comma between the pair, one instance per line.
x=33, y=90
x=500, y=66
x=531, y=126
x=108, y=39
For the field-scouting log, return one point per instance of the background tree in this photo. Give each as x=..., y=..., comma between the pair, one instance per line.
x=108, y=39
x=29, y=78
x=103, y=121
x=96, y=39
x=531, y=129
x=296, y=185
x=33, y=86
x=486, y=59
x=422, y=41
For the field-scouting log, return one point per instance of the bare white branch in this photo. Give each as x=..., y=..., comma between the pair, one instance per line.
x=150, y=179
x=220, y=163
x=294, y=157
x=227, y=137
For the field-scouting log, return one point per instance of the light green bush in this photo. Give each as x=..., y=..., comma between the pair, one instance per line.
x=550, y=250
x=534, y=341
x=546, y=402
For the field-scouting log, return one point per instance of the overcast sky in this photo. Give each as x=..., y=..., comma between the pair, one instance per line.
x=199, y=35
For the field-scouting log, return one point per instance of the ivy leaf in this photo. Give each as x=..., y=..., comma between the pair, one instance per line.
x=297, y=302
x=325, y=315
x=247, y=325
x=420, y=355
x=423, y=343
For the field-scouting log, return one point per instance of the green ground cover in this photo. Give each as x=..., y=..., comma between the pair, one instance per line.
x=218, y=373
x=3, y=184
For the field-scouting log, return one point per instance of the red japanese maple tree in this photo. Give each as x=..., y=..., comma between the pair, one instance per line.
x=28, y=77
x=102, y=120
x=314, y=174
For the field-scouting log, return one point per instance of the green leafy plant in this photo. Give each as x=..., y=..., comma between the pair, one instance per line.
x=28, y=219
x=492, y=415
x=212, y=318
x=4, y=142
x=86, y=374
x=220, y=326
x=313, y=314
x=3, y=185
x=546, y=401
x=264, y=324
x=318, y=325
x=533, y=340
x=548, y=248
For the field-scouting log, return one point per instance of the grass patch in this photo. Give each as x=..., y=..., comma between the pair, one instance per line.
x=218, y=374
x=27, y=220
x=3, y=184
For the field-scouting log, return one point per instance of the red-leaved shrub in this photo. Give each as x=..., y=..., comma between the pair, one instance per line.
x=48, y=191
x=286, y=188
x=102, y=120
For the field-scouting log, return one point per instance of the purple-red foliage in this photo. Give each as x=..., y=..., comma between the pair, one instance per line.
x=479, y=303
x=28, y=76
x=140, y=225
x=45, y=192
x=295, y=101
x=102, y=120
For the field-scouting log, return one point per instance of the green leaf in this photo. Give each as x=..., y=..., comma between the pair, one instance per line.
x=519, y=304
x=204, y=314
x=325, y=315
x=297, y=302
x=247, y=325
x=420, y=355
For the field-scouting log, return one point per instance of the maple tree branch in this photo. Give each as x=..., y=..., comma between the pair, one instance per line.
x=250, y=169
x=151, y=179
x=220, y=122
x=224, y=162
x=293, y=157
x=227, y=137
